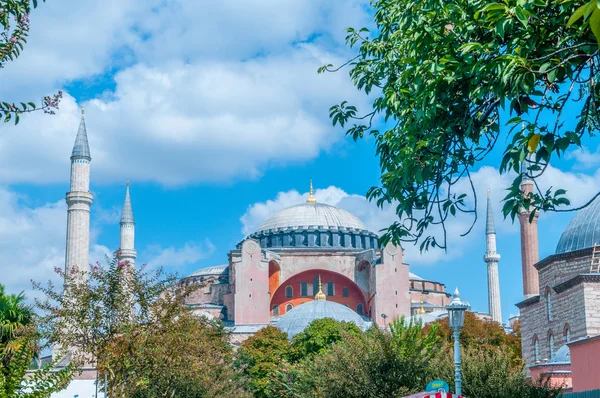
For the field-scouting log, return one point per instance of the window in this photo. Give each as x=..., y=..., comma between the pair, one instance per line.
x=567, y=334
x=316, y=284
x=536, y=350
x=551, y=343
x=548, y=304
x=289, y=292
x=288, y=307
x=330, y=289
x=275, y=310
x=345, y=291
x=359, y=309
x=304, y=289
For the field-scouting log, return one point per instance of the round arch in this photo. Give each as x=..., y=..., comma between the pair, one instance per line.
x=274, y=275
x=337, y=288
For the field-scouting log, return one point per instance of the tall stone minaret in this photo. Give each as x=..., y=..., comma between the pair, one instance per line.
x=530, y=253
x=79, y=200
x=492, y=258
x=127, y=251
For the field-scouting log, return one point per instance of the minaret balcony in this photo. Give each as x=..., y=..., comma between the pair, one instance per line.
x=79, y=197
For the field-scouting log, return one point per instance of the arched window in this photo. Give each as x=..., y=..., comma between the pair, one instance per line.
x=289, y=292
x=304, y=289
x=551, y=343
x=536, y=350
x=288, y=307
x=548, y=304
x=567, y=333
x=345, y=291
x=275, y=310
x=330, y=289
x=359, y=309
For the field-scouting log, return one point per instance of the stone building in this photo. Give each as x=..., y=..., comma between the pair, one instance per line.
x=561, y=302
x=277, y=268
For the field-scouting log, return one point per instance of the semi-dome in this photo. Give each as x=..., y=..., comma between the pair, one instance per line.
x=314, y=215
x=298, y=318
x=583, y=231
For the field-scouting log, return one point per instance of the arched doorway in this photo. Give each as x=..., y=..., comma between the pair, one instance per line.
x=302, y=288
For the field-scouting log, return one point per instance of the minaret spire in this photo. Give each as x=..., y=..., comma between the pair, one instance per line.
x=79, y=199
x=492, y=258
x=127, y=251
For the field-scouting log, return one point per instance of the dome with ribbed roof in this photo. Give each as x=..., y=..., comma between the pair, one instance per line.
x=583, y=231
x=298, y=318
x=314, y=215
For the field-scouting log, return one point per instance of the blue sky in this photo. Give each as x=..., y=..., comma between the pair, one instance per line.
x=216, y=115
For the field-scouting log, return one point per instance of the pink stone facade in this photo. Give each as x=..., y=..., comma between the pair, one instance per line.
x=584, y=364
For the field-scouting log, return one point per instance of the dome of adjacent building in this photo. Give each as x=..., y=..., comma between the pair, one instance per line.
x=298, y=318
x=583, y=231
x=315, y=215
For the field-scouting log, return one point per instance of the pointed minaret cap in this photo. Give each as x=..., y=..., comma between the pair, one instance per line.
x=311, y=198
x=81, y=149
x=320, y=295
x=127, y=215
x=489, y=222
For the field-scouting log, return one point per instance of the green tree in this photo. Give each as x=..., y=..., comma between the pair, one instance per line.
x=489, y=372
x=451, y=80
x=15, y=382
x=14, y=314
x=261, y=355
x=320, y=335
x=133, y=325
x=14, y=29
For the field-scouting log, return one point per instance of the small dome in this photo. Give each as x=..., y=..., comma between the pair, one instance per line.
x=307, y=215
x=561, y=356
x=298, y=318
x=583, y=231
x=214, y=270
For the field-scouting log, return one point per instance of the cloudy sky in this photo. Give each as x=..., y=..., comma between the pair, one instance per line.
x=216, y=114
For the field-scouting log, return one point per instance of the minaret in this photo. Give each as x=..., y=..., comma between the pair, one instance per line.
x=79, y=199
x=529, y=243
x=127, y=251
x=492, y=258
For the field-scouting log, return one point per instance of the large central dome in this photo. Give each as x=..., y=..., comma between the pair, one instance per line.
x=583, y=231
x=314, y=226
x=314, y=215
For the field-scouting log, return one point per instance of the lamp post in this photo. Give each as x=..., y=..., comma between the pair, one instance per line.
x=384, y=316
x=456, y=320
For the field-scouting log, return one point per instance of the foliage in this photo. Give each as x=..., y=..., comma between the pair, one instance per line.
x=183, y=357
x=488, y=372
x=483, y=334
x=14, y=29
x=370, y=364
x=14, y=314
x=134, y=326
x=320, y=335
x=261, y=355
x=450, y=79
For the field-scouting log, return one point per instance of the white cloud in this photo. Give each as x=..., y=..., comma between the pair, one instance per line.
x=584, y=157
x=32, y=241
x=173, y=257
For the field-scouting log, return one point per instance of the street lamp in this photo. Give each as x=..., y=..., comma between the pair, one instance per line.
x=384, y=316
x=456, y=320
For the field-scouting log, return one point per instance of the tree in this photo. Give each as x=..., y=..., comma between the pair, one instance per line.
x=14, y=21
x=14, y=314
x=188, y=356
x=488, y=372
x=320, y=335
x=133, y=325
x=15, y=382
x=261, y=355
x=483, y=334
x=452, y=79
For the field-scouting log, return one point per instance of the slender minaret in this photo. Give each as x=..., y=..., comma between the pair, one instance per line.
x=530, y=253
x=127, y=251
x=492, y=258
x=79, y=199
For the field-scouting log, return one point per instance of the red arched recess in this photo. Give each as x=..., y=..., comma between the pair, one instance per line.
x=274, y=273
x=279, y=299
